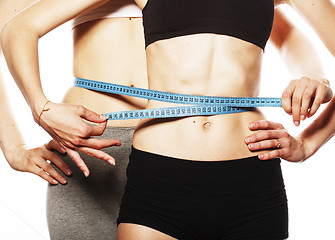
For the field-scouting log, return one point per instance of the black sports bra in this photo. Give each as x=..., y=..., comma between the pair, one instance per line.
x=249, y=20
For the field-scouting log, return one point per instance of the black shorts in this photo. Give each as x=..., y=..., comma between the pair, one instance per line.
x=240, y=199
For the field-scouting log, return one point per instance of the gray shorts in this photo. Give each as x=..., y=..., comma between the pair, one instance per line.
x=87, y=208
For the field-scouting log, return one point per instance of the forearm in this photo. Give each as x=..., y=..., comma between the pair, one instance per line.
x=10, y=137
x=320, y=131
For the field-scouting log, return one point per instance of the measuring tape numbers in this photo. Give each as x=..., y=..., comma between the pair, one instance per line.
x=198, y=105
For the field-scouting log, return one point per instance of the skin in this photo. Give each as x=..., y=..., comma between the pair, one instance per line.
x=122, y=37
x=92, y=40
x=17, y=155
x=268, y=134
x=193, y=138
x=156, y=135
x=53, y=121
x=32, y=24
x=297, y=98
x=293, y=149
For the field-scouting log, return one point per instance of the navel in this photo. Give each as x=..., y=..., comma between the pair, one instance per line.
x=207, y=125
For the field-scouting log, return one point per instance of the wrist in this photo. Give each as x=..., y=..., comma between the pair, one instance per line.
x=37, y=107
x=11, y=152
x=329, y=89
x=308, y=148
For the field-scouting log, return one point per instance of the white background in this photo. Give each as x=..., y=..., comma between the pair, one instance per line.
x=310, y=185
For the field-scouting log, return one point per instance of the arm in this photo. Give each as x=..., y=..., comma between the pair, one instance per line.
x=28, y=160
x=64, y=122
x=320, y=131
x=300, y=57
x=11, y=142
x=321, y=16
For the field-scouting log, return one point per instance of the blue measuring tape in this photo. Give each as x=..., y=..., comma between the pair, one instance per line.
x=199, y=105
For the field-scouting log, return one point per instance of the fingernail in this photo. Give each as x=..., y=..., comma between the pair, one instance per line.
x=54, y=181
x=86, y=173
x=261, y=156
x=296, y=123
x=103, y=117
x=248, y=140
x=251, y=146
x=302, y=117
x=68, y=172
x=63, y=181
x=62, y=150
x=252, y=125
x=111, y=161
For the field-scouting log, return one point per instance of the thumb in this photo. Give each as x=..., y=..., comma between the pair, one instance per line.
x=92, y=116
x=53, y=145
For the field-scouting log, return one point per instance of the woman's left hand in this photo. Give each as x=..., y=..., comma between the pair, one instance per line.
x=303, y=97
x=273, y=137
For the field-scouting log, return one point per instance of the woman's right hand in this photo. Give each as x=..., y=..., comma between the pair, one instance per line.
x=274, y=138
x=36, y=161
x=66, y=123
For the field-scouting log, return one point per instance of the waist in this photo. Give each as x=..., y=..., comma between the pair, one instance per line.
x=199, y=105
x=199, y=138
x=102, y=103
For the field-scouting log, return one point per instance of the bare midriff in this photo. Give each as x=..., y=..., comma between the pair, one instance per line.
x=109, y=50
x=201, y=64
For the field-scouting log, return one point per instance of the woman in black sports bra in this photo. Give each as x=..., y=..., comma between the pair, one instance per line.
x=194, y=178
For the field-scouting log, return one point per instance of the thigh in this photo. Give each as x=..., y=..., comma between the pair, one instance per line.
x=87, y=208
x=129, y=231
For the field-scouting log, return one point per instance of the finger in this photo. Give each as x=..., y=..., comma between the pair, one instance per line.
x=296, y=105
x=52, y=157
x=98, y=154
x=270, y=155
x=264, y=145
x=90, y=115
x=266, y=135
x=287, y=98
x=74, y=155
x=51, y=171
x=53, y=145
x=97, y=143
x=317, y=102
x=264, y=125
x=306, y=102
x=41, y=173
x=98, y=129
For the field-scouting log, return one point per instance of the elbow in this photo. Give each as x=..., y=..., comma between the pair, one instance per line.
x=4, y=35
x=14, y=32
x=8, y=32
